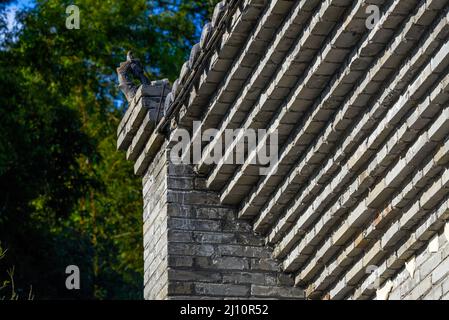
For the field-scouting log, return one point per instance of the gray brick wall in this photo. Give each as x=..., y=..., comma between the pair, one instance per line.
x=195, y=248
x=155, y=229
x=430, y=279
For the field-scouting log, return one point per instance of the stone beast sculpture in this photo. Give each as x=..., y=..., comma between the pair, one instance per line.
x=129, y=71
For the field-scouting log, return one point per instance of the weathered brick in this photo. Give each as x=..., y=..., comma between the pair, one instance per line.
x=441, y=271
x=276, y=292
x=227, y=290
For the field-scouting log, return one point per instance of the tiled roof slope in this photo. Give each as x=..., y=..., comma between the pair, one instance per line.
x=363, y=119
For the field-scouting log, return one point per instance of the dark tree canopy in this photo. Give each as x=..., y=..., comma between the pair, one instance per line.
x=66, y=195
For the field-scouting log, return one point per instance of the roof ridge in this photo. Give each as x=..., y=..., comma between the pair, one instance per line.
x=210, y=34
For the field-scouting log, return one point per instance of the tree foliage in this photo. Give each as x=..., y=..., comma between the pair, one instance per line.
x=66, y=195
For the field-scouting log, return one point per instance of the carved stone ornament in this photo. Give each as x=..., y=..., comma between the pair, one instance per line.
x=129, y=71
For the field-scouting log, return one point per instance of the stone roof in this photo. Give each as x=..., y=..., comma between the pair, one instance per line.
x=362, y=114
